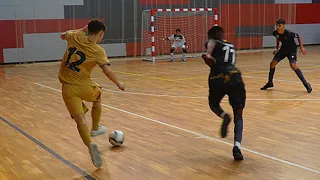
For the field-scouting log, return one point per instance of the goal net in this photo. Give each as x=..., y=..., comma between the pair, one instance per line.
x=158, y=24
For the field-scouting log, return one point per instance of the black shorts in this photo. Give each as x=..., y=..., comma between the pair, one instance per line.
x=280, y=55
x=236, y=93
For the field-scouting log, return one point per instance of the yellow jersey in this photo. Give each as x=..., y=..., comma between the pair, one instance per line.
x=81, y=56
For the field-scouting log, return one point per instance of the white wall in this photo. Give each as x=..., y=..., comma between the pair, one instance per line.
x=49, y=46
x=34, y=9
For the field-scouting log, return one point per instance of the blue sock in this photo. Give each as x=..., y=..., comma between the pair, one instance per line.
x=300, y=75
x=238, y=128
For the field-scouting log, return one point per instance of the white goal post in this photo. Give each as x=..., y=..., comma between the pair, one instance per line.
x=158, y=24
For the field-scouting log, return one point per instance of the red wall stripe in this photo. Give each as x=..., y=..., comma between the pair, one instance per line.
x=7, y=37
x=234, y=15
x=308, y=13
x=130, y=48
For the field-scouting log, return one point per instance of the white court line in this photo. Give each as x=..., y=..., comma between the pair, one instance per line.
x=247, y=76
x=155, y=95
x=203, y=97
x=198, y=135
x=194, y=97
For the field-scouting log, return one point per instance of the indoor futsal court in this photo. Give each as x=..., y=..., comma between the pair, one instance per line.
x=170, y=132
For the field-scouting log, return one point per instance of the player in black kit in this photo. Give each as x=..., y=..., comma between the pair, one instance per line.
x=225, y=79
x=288, y=49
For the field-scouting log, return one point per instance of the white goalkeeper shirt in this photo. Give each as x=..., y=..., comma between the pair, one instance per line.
x=177, y=38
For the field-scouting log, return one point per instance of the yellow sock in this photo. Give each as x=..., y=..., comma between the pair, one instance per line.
x=84, y=133
x=96, y=115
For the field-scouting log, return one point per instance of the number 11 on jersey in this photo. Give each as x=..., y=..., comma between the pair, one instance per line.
x=227, y=57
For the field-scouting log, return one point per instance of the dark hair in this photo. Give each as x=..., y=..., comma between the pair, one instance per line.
x=95, y=26
x=280, y=21
x=178, y=30
x=216, y=32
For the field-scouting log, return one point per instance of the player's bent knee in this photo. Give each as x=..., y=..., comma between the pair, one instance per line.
x=273, y=63
x=184, y=50
x=172, y=50
x=293, y=66
x=214, y=106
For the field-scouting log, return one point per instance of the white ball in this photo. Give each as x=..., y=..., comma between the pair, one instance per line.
x=116, y=138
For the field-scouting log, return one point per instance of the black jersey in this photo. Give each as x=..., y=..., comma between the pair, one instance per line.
x=287, y=40
x=225, y=55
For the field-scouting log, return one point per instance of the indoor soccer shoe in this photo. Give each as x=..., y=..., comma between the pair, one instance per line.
x=308, y=87
x=237, y=153
x=95, y=155
x=268, y=85
x=101, y=130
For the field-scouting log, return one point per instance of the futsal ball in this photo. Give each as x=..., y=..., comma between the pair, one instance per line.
x=116, y=138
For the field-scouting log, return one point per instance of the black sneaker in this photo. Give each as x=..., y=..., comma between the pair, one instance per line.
x=224, y=126
x=237, y=154
x=268, y=85
x=308, y=87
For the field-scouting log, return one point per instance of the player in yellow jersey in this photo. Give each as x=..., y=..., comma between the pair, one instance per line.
x=83, y=53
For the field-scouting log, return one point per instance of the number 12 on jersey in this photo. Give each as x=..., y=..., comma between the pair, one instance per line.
x=73, y=65
x=227, y=56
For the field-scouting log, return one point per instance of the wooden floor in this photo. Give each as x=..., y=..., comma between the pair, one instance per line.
x=170, y=132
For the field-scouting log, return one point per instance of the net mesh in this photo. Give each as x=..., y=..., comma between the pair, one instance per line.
x=193, y=25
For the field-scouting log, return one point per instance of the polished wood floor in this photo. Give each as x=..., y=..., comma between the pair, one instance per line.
x=170, y=132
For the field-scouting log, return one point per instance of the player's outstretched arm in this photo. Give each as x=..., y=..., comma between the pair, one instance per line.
x=171, y=37
x=109, y=73
x=84, y=29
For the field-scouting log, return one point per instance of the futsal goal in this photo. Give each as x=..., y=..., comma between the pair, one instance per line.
x=158, y=24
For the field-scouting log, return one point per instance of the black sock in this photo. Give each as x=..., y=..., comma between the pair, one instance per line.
x=300, y=75
x=271, y=73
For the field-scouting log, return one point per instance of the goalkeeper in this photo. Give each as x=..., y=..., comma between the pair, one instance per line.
x=179, y=42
